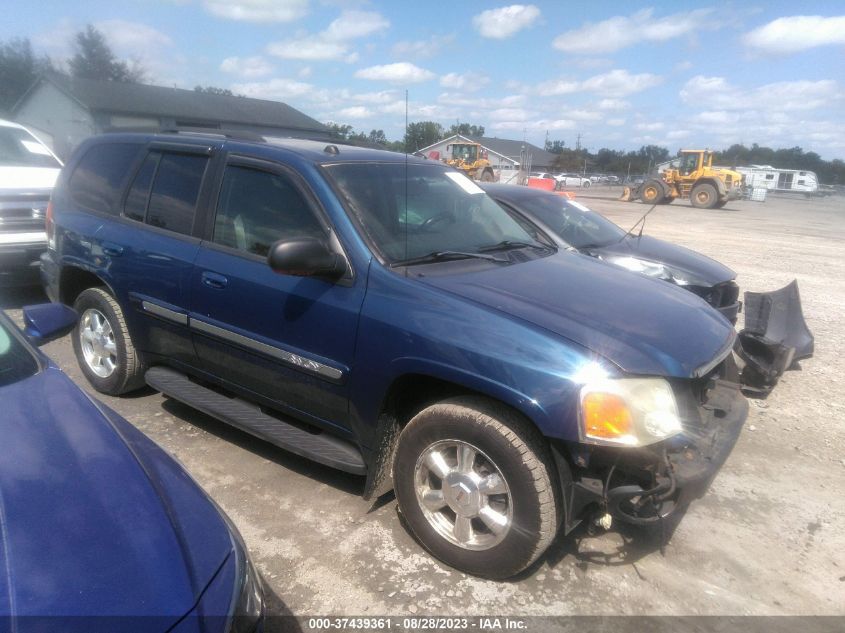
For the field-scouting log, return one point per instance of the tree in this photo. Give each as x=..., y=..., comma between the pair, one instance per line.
x=342, y=132
x=213, y=90
x=377, y=137
x=422, y=134
x=555, y=147
x=19, y=68
x=94, y=59
x=465, y=129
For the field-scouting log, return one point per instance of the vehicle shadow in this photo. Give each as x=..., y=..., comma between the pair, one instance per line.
x=345, y=482
x=625, y=544
x=278, y=618
x=15, y=298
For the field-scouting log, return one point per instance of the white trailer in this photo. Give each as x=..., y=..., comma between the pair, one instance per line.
x=774, y=179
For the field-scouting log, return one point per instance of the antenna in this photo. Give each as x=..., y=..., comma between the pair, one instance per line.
x=406, y=181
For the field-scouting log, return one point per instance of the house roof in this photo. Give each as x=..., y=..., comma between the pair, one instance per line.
x=146, y=100
x=505, y=147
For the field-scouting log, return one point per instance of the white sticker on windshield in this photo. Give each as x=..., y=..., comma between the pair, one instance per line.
x=464, y=183
x=36, y=148
x=578, y=206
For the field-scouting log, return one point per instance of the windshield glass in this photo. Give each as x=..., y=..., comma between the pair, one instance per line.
x=16, y=362
x=412, y=210
x=576, y=224
x=19, y=148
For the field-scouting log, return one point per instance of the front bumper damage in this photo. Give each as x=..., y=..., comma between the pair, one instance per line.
x=642, y=486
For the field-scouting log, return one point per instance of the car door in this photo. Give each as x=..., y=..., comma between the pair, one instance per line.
x=289, y=340
x=153, y=249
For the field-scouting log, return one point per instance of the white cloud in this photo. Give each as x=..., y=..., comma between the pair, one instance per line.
x=716, y=93
x=620, y=31
x=128, y=37
x=355, y=24
x=333, y=42
x=422, y=49
x=470, y=82
x=615, y=83
x=540, y=125
x=305, y=71
x=583, y=115
x=616, y=122
x=309, y=49
x=506, y=21
x=675, y=135
x=797, y=33
x=248, y=67
x=258, y=10
x=613, y=104
x=355, y=112
x=650, y=127
x=681, y=66
x=510, y=114
x=399, y=73
x=278, y=89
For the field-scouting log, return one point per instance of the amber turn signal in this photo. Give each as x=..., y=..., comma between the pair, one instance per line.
x=607, y=417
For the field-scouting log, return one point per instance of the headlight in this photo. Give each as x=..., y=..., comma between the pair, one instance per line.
x=628, y=411
x=653, y=269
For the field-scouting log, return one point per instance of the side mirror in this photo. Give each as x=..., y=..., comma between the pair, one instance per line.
x=306, y=257
x=46, y=322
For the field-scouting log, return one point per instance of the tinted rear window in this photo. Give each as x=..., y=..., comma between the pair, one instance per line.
x=95, y=183
x=175, y=192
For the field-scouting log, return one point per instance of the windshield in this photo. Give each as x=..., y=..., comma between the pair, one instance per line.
x=576, y=224
x=409, y=211
x=16, y=362
x=19, y=148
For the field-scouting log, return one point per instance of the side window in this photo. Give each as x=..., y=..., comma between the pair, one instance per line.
x=95, y=183
x=174, y=194
x=257, y=208
x=136, y=201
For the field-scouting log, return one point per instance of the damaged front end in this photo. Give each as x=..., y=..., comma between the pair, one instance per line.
x=774, y=339
x=645, y=485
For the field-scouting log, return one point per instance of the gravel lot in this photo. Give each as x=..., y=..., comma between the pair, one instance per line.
x=767, y=540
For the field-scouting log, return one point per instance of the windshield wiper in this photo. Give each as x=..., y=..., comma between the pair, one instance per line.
x=506, y=245
x=438, y=256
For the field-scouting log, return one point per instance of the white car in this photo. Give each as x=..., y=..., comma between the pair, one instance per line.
x=28, y=171
x=571, y=180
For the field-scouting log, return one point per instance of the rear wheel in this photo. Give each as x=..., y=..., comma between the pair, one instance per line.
x=102, y=345
x=704, y=196
x=586, y=184
x=652, y=192
x=476, y=485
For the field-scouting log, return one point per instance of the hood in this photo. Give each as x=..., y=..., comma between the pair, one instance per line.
x=643, y=325
x=701, y=270
x=84, y=528
x=28, y=177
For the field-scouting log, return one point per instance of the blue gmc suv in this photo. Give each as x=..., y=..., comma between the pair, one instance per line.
x=381, y=314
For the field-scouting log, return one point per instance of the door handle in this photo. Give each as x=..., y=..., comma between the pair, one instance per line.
x=111, y=249
x=214, y=280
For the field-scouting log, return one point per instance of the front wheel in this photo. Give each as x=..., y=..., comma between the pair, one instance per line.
x=704, y=196
x=102, y=345
x=586, y=184
x=477, y=486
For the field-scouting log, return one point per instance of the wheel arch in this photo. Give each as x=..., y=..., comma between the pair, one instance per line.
x=718, y=184
x=412, y=390
x=74, y=279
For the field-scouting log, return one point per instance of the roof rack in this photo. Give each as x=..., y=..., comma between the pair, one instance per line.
x=235, y=135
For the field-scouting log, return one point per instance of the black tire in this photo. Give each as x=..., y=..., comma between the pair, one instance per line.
x=652, y=192
x=667, y=200
x=504, y=439
x=704, y=196
x=128, y=372
x=586, y=184
x=487, y=176
x=720, y=204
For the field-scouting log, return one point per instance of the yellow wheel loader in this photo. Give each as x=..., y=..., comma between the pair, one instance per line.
x=707, y=187
x=470, y=158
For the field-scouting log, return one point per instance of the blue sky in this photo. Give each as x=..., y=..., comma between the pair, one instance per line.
x=620, y=74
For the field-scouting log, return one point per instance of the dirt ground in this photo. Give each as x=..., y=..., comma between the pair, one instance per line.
x=768, y=539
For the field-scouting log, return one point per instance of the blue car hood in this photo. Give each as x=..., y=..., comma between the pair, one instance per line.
x=643, y=325
x=84, y=527
x=703, y=270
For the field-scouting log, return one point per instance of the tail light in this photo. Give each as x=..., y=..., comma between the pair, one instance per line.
x=49, y=226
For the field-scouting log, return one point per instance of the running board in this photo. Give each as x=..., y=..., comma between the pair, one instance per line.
x=320, y=447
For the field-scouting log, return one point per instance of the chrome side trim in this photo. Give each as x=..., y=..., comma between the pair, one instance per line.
x=164, y=313
x=283, y=355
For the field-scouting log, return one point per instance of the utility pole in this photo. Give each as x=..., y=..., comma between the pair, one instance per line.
x=578, y=142
x=546, y=146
